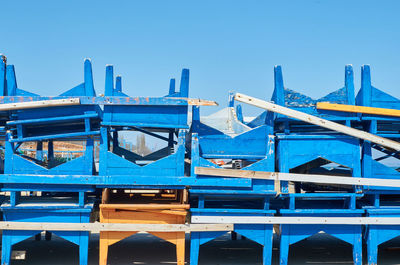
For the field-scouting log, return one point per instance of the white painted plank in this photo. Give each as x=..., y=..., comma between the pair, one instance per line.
x=96, y=227
x=40, y=104
x=321, y=179
x=317, y=121
x=296, y=220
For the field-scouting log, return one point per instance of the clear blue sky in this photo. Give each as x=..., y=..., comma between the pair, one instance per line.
x=227, y=45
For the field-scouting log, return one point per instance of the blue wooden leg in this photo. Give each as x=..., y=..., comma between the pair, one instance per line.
x=83, y=248
x=267, y=248
x=194, y=248
x=357, y=247
x=372, y=245
x=6, y=248
x=284, y=245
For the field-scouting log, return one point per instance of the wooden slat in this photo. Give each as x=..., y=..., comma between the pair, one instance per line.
x=277, y=176
x=145, y=206
x=296, y=220
x=96, y=227
x=318, y=121
x=201, y=102
x=358, y=109
x=40, y=104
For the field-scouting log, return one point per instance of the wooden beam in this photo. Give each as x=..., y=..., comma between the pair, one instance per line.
x=358, y=109
x=96, y=227
x=201, y=102
x=277, y=176
x=318, y=121
x=145, y=206
x=40, y=104
x=296, y=220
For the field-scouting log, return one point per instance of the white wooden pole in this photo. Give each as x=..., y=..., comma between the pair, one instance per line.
x=318, y=121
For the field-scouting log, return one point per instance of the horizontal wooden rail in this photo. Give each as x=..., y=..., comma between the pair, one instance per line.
x=321, y=179
x=358, y=109
x=318, y=121
x=145, y=206
x=40, y=104
x=296, y=220
x=96, y=227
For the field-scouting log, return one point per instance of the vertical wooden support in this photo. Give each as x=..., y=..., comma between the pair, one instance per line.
x=279, y=89
x=3, y=83
x=118, y=83
x=39, y=151
x=103, y=150
x=184, y=86
x=171, y=87
x=366, y=87
x=109, y=87
x=11, y=81
x=88, y=79
x=349, y=84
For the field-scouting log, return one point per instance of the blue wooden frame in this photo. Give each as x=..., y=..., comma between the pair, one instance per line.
x=52, y=211
x=384, y=126
x=224, y=136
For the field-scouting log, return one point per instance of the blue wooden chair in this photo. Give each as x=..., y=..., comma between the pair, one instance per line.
x=321, y=205
x=45, y=209
x=69, y=123
x=55, y=122
x=150, y=116
x=305, y=148
x=222, y=136
x=374, y=164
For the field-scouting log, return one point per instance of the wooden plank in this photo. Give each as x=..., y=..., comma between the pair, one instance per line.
x=277, y=176
x=96, y=227
x=318, y=121
x=358, y=109
x=296, y=220
x=149, y=206
x=17, y=254
x=201, y=102
x=40, y=104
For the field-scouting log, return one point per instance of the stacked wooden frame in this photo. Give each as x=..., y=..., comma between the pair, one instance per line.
x=219, y=141
x=158, y=171
x=57, y=203
x=379, y=162
x=306, y=148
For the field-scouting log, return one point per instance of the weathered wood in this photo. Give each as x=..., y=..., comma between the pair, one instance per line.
x=40, y=104
x=358, y=109
x=322, y=179
x=296, y=220
x=201, y=102
x=145, y=206
x=318, y=121
x=96, y=227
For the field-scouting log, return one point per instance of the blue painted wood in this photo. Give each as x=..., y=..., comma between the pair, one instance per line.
x=146, y=115
x=50, y=211
x=376, y=235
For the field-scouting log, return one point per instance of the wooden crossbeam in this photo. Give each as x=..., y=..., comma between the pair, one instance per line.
x=96, y=227
x=358, y=109
x=296, y=220
x=201, y=102
x=318, y=121
x=277, y=176
x=40, y=104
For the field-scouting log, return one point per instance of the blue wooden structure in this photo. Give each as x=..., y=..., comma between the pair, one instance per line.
x=27, y=209
x=305, y=148
x=379, y=162
x=221, y=136
x=152, y=117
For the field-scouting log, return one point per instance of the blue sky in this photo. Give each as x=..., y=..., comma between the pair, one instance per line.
x=227, y=45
